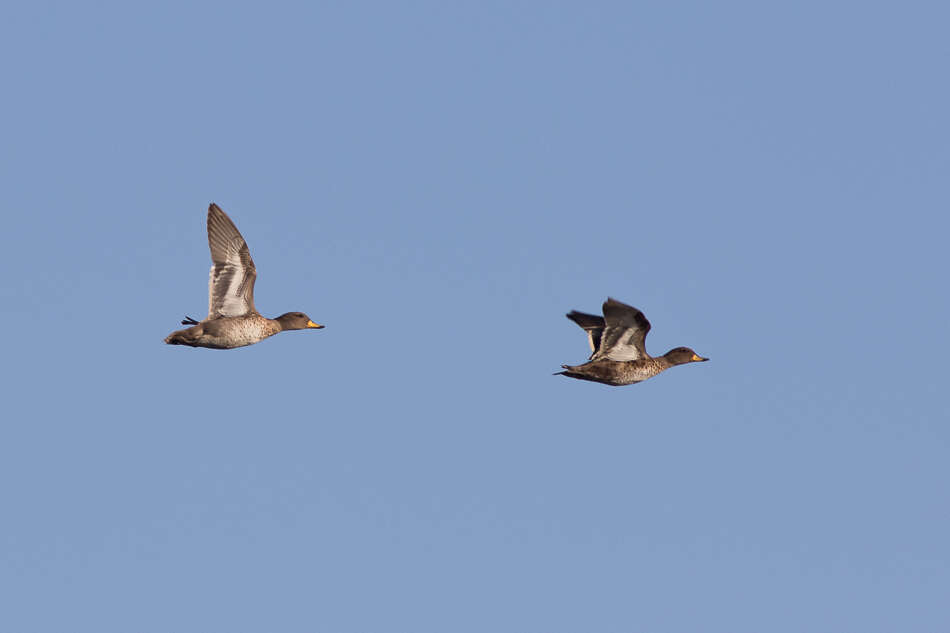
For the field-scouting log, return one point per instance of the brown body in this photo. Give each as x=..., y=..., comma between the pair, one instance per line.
x=231, y=332
x=617, y=373
x=618, y=352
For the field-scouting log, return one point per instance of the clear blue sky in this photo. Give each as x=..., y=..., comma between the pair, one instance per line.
x=439, y=183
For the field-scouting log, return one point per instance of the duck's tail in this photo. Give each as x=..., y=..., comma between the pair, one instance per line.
x=182, y=337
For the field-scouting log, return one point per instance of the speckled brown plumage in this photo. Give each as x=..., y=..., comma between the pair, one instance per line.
x=232, y=320
x=618, y=351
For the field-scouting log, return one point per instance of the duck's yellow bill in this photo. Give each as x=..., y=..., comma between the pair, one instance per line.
x=315, y=325
x=697, y=357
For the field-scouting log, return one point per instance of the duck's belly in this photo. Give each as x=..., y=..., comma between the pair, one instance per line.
x=616, y=373
x=230, y=333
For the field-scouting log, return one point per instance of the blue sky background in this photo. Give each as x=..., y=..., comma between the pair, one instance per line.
x=439, y=183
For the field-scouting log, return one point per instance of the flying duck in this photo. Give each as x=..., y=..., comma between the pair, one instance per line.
x=618, y=354
x=232, y=320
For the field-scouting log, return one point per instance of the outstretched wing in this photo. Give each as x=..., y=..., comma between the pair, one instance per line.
x=592, y=324
x=624, y=334
x=231, y=283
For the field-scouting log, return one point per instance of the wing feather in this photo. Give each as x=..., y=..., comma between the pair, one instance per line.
x=232, y=276
x=592, y=324
x=625, y=333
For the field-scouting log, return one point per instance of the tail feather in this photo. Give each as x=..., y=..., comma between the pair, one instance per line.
x=175, y=338
x=182, y=337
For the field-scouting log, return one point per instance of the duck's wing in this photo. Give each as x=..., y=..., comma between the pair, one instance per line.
x=624, y=335
x=231, y=283
x=592, y=324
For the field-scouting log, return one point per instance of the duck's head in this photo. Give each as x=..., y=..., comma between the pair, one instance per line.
x=296, y=321
x=683, y=355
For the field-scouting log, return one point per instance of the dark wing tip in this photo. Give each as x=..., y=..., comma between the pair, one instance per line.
x=618, y=308
x=613, y=303
x=585, y=320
